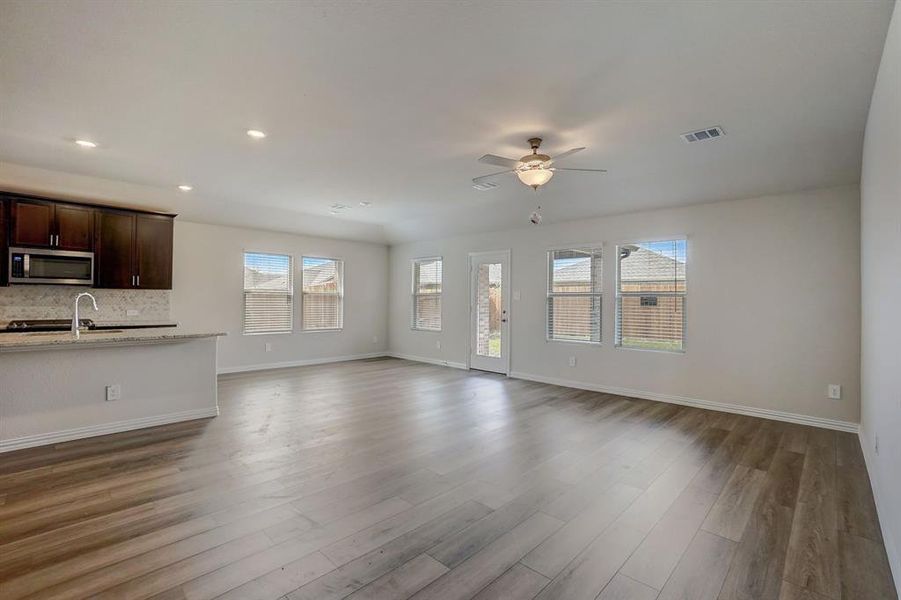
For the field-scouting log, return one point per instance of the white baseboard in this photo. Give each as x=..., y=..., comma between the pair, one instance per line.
x=891, y=546
x=764, y=413
x=297, y=363
x=78, y=433
x=431, y=361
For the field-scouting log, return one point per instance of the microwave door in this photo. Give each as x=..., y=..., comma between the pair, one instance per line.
x=72, y=268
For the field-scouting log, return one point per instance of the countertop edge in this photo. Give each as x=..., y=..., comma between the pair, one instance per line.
x=129, y=338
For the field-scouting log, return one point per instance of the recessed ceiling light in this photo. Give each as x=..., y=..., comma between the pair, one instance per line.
x=185, y=188
x=86, y=144
x=256, y=134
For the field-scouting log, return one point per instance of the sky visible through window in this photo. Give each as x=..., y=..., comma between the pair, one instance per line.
x=267, y=263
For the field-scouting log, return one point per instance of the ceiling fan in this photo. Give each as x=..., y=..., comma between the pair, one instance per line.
x=534, y=169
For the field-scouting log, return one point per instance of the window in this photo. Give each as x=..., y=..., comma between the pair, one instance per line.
x=574, y=295
x=323, y=294
x=268, y=293
x=650, y=295
x=427, y=294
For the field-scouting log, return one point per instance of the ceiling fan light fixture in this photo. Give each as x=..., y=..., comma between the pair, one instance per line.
x=534, y=177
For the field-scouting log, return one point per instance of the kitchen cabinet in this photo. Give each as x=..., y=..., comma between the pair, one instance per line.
x=133, y=250
x=46, y=224
x=3, y=243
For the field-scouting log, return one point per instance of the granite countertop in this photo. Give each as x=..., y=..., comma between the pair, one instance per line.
x=12, y=342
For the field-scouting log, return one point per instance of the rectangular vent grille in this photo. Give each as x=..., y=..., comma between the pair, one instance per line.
x=484, y=186
x=701, y=135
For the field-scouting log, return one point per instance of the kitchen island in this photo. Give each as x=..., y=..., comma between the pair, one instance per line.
x=54, y=387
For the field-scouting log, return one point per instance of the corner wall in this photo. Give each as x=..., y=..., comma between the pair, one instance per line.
x=880, y=264
x=773, y=310
x=208, y=284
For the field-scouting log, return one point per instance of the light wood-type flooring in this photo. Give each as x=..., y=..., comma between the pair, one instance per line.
x=384, y=479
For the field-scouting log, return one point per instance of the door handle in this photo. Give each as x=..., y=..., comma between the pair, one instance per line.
x=138, y=280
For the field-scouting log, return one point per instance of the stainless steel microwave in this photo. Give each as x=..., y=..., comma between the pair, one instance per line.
x=62, y=267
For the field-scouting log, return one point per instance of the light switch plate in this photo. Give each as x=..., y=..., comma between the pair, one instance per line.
x=834, y=391
x=132, y=312
x=113, y=392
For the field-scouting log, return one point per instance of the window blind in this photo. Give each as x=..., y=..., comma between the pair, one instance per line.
x=427, y=281
x=268, y=293
x=574, y=295
x=322, y=293
x=650, y=295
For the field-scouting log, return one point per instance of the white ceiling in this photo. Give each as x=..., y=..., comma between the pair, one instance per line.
x=393, y=102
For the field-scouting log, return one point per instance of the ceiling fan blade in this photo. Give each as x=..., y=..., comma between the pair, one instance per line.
x=565, y=154
x=493, y=159
x=588, y=170
x=484, y=177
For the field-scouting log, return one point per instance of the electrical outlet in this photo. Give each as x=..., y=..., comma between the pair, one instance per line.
x=113, y=392
x=516, y=295
x=572, y=361
x=834, y=391
x=132, y=312
x=268, y=347
x=438, y=344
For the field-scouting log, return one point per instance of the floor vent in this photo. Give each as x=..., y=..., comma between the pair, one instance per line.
x=711, y=133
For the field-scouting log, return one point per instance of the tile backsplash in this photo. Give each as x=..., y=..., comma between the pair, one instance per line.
x=55, y=302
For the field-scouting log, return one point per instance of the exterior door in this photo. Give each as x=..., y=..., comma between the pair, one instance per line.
x=490, y=311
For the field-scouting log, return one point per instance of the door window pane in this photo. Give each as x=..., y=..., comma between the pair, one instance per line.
x=489, y=311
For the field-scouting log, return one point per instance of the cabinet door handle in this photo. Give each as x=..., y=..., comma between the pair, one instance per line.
x=132, y=281
x=138, y=280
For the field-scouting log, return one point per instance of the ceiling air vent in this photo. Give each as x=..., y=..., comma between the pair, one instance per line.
x=711, y=133
x=485, y=186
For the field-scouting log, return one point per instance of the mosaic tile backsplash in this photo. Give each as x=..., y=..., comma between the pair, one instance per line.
x=55, y=302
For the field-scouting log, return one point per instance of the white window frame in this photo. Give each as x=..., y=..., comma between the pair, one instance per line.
x=290, y=293
x=414, y=295
x=595, y=246
x=684, y=295
x=339, y=294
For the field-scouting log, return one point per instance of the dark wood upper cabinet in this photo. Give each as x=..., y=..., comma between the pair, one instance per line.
x=32, y=223
x=133, y=250
x=74, y=227
x=153, y=252
x=46, y=224
x=4, y=228
x=114, y=249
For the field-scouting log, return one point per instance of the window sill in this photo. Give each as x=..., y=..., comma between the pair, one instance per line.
x=425, y=330
x=324, y=330
x=579, y=342
x=658, y=351
x=268, y=333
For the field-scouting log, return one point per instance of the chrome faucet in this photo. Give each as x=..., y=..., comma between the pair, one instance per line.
x=75, y=320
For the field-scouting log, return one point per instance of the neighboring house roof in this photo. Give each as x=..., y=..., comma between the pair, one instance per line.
x=256, y=279
x=322, y=276
x=644, y=264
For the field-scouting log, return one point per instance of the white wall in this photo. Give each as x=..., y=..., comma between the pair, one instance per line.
x=207, y=294
x=773, y=307
x=51, y=395
x=880, y=189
